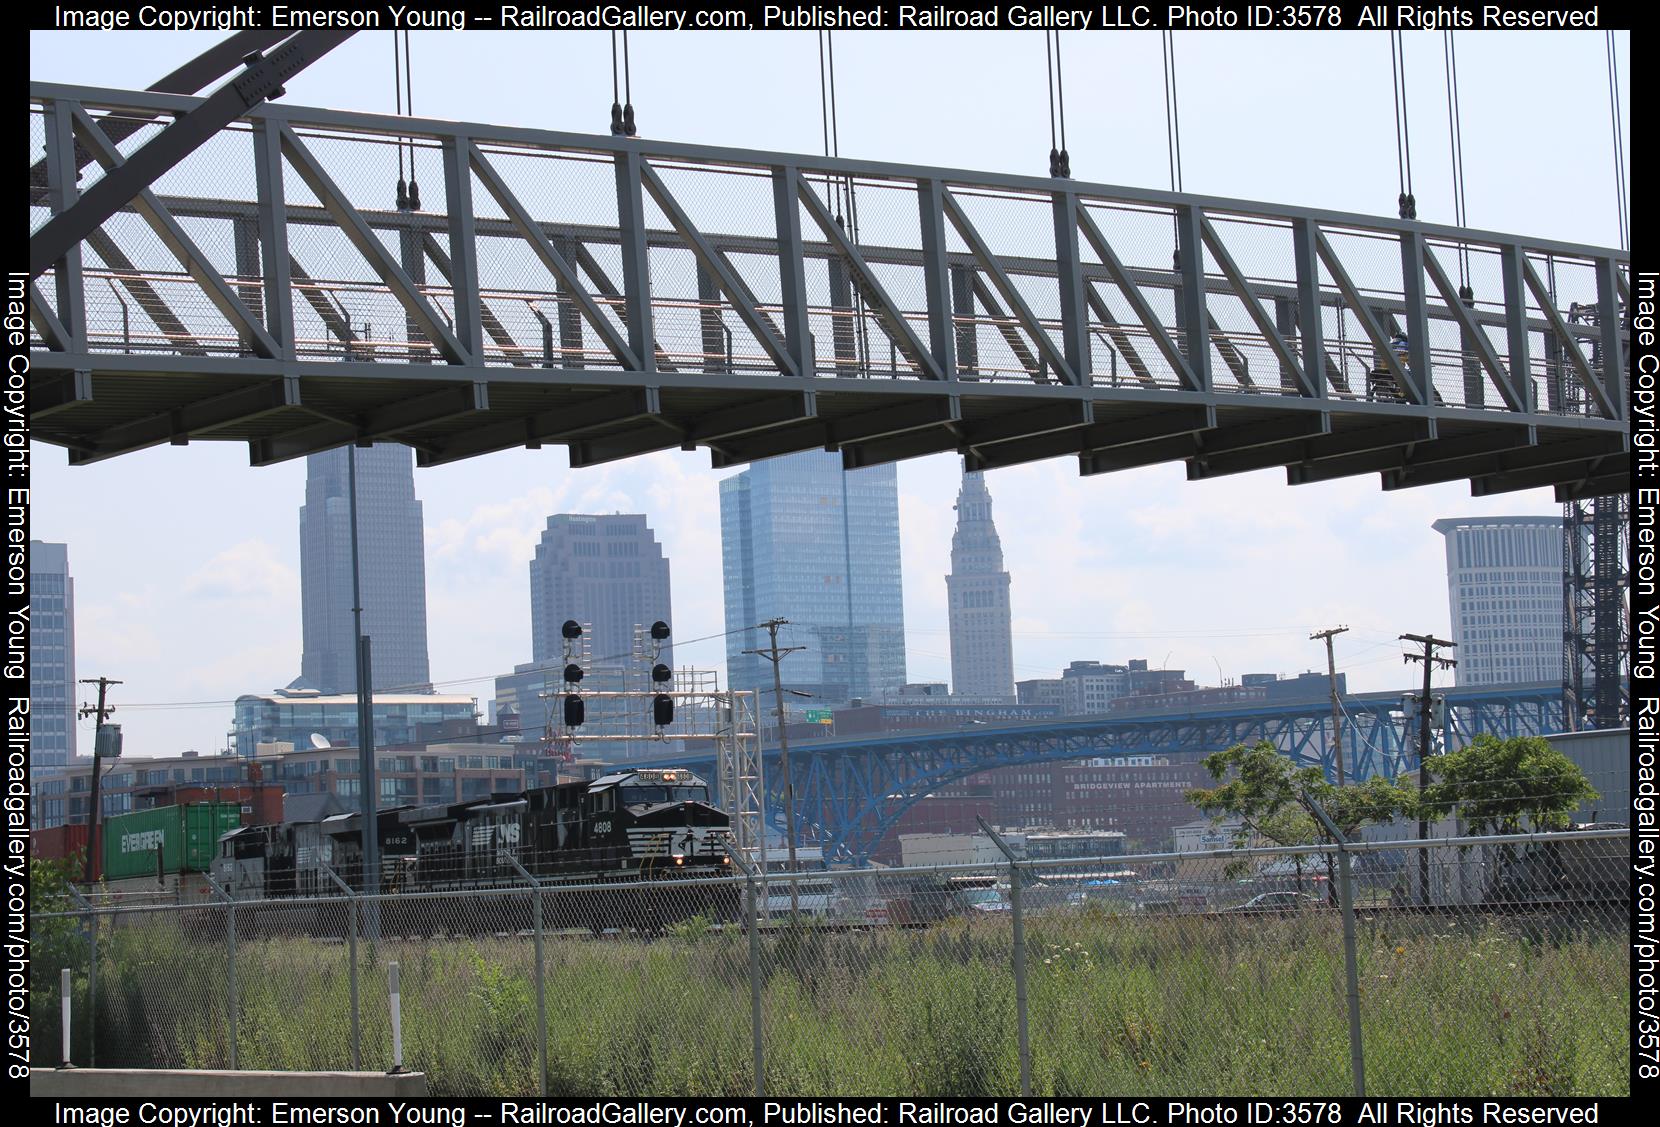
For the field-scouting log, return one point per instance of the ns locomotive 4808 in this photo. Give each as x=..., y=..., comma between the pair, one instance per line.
x=623, y=828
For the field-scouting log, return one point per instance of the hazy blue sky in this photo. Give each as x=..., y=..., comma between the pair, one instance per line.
x=186, y=559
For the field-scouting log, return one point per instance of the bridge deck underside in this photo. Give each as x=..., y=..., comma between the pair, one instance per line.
x=619, y=296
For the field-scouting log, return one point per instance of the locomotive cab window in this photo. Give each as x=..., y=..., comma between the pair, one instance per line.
x=641, y=796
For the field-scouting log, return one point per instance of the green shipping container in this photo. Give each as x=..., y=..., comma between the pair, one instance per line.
x=188, y=837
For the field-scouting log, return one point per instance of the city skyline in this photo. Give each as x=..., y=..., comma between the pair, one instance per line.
x=1138, y=562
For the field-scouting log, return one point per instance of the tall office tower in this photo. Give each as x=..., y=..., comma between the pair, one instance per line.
x=1504, y=587
x=803, y=540
x=607, y=572
x=391, y=566
x=982, y=643
x=51, y=658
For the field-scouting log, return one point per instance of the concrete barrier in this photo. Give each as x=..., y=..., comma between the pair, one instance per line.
x=97, y=1083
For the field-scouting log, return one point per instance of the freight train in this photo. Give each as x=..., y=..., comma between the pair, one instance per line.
x=594, y=843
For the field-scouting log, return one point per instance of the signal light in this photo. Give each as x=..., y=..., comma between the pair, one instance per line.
x=574, y=711
x=662, y=711
x=661, y=673
x=571, y=629
x=659, y=630
x=573, y=673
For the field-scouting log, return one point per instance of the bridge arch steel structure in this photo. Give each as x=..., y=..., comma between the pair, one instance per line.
x=851, y=792
x=622, y=295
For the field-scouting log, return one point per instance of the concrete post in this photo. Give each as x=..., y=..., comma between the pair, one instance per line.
x=397, y=1018
x=66, y=984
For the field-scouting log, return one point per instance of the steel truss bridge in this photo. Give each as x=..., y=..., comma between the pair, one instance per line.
x=623, y=295
x=851, y=792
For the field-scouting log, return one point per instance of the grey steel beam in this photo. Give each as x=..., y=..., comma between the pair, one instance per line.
x=920, y=414
x=1115, y=458
x=1178, y=421
x=606, y=409
x=757, y=415
x=1611, y=323
x=1600, y=485
x=636, y=259
x=894, y=448
x=1516, y=330
x=262, y=79
x=550, y=258
x=325, y=305
x=59, y=391
x=1605, y=404
x=181, y=423
x=1531, y=457
x=1047, y=419
x=1137, y=302
x=1416, y=454
x=272, y=207
x=46, y=323
x=936, y=275
x=629, y=444
x=967, y=343
x=1191, y=315
x=1420, y=375
x=1387, y=436
x=1119, y=338
x=1004, y=324
x=1305, y=250
x=1265, y=324
x=814, y=434
x=892, y=318
x=1231, y=356
x=1069, y=279
x=1572, y=475
x=792, y=267
x=737, y=293
x=172, y=235
x=144, y=294
x=463, y=264
x=1039, y=336
x=61, y=194
x=1254, y=436
x=376, y=425
x=358, y=232
x=1474, y=335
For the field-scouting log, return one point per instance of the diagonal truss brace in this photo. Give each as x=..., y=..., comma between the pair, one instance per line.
x=1137, y=301
x=1363, y=313
x=1514, y=393
x=892, y=319
x=1005, y=285
x=552, y=259
x=720, y=270
x=184, y=249
x=1265, y=324
x=1570, y=343
x=362, y=236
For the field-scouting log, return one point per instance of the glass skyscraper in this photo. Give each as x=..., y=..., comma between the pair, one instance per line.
x=51, y=658
x=607, y=572
x=392, y=567
x=1504, y=587
x=803, y=540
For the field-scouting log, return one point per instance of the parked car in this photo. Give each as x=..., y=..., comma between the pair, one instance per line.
x=1278, y=902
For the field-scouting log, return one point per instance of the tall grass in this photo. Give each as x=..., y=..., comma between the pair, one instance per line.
x=1117, y=1004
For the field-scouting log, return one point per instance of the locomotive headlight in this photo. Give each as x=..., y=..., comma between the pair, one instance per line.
x=679, y=859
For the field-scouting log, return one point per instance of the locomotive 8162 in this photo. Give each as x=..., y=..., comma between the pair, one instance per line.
x=630, y=826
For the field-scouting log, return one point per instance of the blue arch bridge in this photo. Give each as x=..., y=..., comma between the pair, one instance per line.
x=850, y=793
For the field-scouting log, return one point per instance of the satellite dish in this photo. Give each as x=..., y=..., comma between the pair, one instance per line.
x=320, y=741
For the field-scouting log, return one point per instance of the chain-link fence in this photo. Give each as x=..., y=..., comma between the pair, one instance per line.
x=1492, y=965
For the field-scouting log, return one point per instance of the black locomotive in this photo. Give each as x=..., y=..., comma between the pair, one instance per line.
x=593, y=845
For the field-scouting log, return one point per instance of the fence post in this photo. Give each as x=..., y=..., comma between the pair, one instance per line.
x=231, y=1004
x=351, y=953
x=1346, y=896
x=91, y=977
x=752, y=921
x=397, y=1018
x=541, y=985
x=1015, y=879
x=66, y=984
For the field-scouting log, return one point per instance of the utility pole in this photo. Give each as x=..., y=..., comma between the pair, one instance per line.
x=1336, y=706
x=775, y=654
x=102, y=712
x=1430, y=643
x=368, y=800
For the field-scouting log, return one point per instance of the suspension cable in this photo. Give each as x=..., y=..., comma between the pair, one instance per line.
x=628, y=91
x=622, y=96
x=1060, y=162
x=397, y=98
x=1403, y=129
x=409, y=107
x=1621, y=208
x=1172, y=113
x=1455, y=139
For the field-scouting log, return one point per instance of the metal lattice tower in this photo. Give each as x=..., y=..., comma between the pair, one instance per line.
x=738, y=773
x=1596, y=578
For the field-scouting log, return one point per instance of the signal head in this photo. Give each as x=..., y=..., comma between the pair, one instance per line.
x=573, y=673
x=662, y=711
x=574, y=712
x=659, y=630
x=571, y=629
x=661, y=673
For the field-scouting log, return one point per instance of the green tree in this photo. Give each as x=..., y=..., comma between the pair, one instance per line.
x=1508, y=786
x=1267, y=792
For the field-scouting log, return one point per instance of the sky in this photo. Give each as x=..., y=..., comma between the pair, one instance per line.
x=186, y=559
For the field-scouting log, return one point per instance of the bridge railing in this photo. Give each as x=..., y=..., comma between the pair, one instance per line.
x=1484, y=964
x=532, y=249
